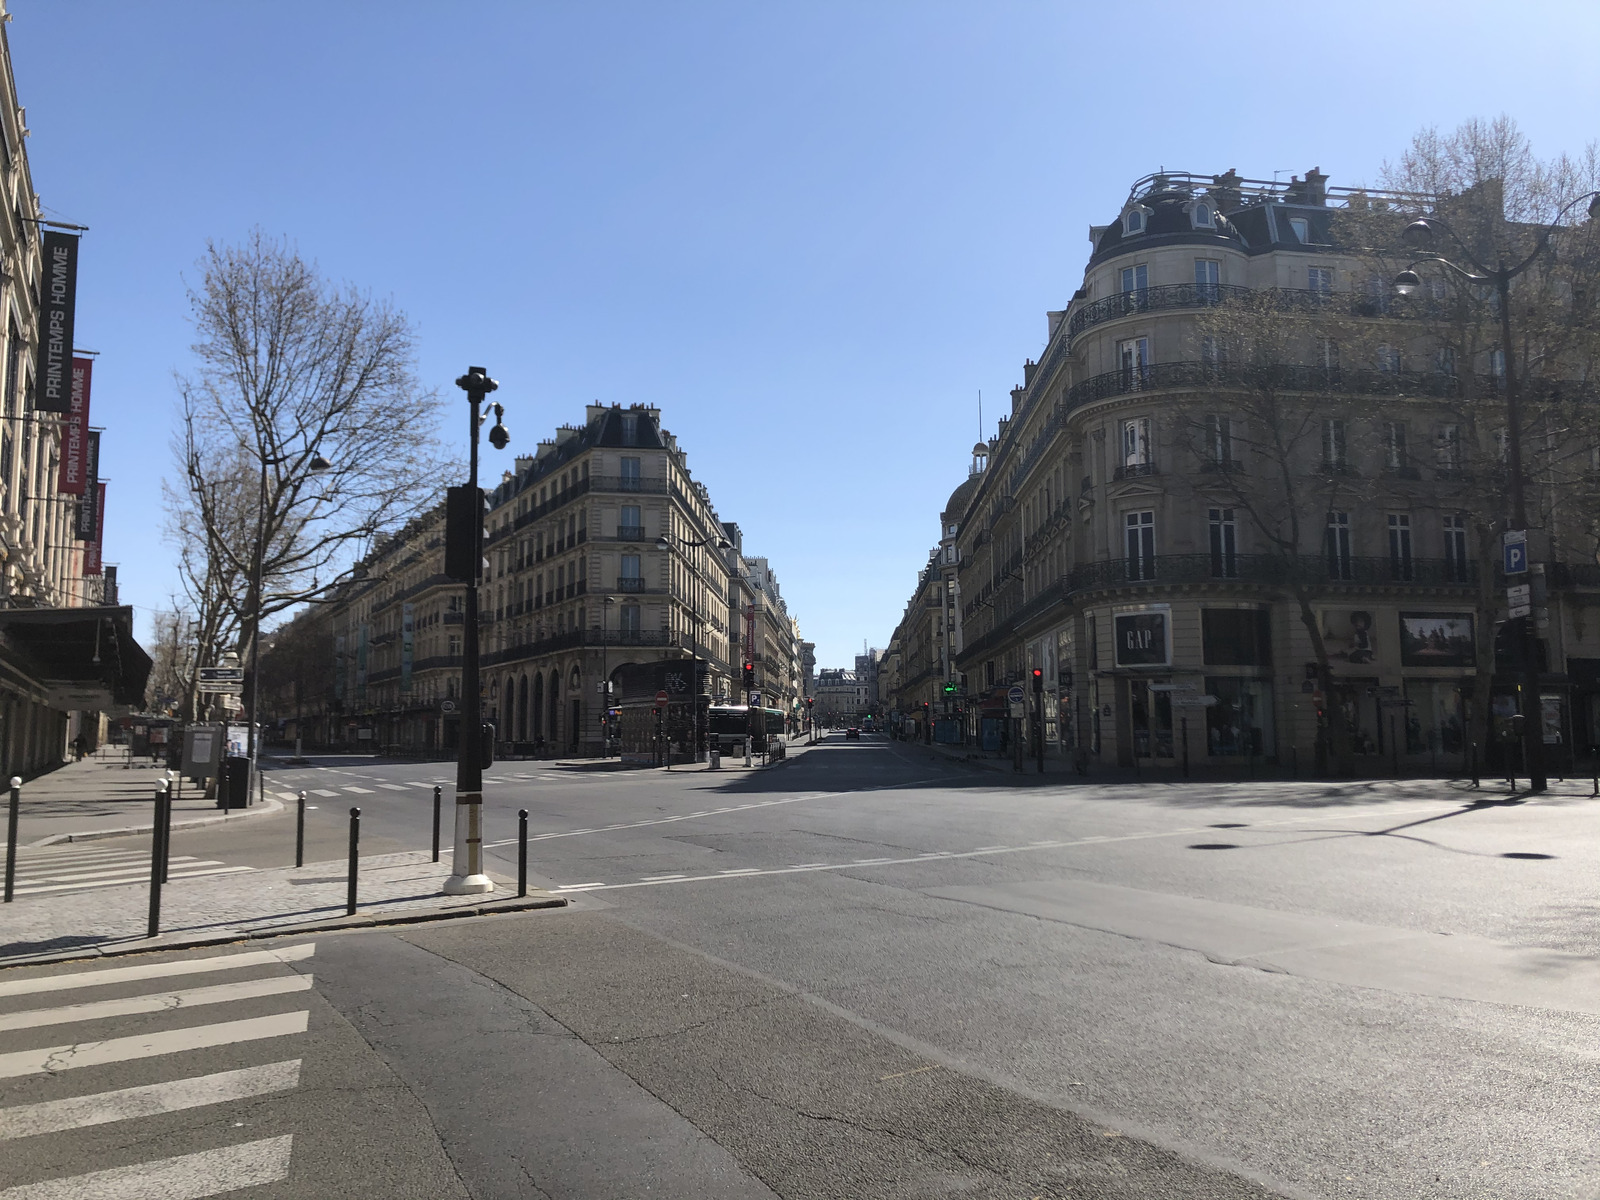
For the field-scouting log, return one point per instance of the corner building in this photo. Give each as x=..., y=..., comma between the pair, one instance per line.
x=1094, y=537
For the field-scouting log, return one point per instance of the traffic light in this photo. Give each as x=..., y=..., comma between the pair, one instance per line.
x=749, y=675
x=1038, y=680
x=950, y=688
x=463, y=533
x=810, y=702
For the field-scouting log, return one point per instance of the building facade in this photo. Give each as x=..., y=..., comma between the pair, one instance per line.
x=602, y=552
x=1227, y=364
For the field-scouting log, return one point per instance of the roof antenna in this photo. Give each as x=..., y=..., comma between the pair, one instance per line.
x=980, y=414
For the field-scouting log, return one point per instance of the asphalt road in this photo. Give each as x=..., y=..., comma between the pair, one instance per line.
x=864, y=972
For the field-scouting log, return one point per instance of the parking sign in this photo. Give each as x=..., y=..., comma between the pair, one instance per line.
x=1516, y=552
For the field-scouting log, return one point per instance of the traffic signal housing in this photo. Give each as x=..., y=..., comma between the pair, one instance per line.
x=1038, y=680
x=749, y=675
x=464, y=533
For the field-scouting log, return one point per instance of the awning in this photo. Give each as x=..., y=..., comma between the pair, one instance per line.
x=83, y=658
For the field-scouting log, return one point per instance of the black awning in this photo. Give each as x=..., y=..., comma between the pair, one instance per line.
x=84, y=658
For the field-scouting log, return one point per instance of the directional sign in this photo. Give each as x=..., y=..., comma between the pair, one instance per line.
x=221, y=674
x=1519, y=610
x=1519, y=593
x=1015, y=694
x=1516, y=552
x=1190, y=700
x=222, y=689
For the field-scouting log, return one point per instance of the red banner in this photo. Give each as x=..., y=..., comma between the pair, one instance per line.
x=75, y=431
x=91, y=551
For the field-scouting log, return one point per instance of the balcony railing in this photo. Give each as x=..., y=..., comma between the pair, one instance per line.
x=630, y=533
x=575, y=638
x=1282, y=377
x=1152, y=299
x=1269, y=569
x=628, y=483
x=627, y=584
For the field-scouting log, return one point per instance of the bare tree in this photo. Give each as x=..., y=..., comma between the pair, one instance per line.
x=304, y=432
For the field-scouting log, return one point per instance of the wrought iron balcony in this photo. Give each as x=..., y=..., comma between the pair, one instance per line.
x=1200, y=374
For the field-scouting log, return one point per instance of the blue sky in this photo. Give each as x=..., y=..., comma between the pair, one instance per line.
x=811, y=233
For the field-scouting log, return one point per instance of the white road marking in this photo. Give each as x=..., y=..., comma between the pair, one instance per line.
x=124, y=1104
x=578, y=887
x=47, y=1060
x=393, y=787
x=663, y=878
x=323, y=792
x=134, y=866
x=414, y=783
x=360, y=791
x=157, y=970
x=740, y=871
x=186, y=1177
x=123, y=882
x=96, y=1010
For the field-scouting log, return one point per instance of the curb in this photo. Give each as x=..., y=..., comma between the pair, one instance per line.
x=264, y=808
x=333, y=925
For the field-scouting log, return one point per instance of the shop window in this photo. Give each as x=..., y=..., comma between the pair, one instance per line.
x=1240, y=723
x=1236, y=637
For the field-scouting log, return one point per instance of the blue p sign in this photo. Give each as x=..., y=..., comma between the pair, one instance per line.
x=1516, y=558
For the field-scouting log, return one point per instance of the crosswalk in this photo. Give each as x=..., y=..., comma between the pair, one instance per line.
x=81, y=865
x=151, y=1034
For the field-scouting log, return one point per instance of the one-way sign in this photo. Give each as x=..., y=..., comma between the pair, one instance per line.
x=221, y=674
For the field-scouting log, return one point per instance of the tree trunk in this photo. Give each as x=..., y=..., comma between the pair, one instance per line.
x=1338, y=732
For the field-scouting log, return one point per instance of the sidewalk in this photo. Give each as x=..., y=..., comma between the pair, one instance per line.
x=104, y=797
x=260, y=903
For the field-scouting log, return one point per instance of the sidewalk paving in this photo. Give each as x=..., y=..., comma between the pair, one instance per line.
x=103, y=796
x=391, y=888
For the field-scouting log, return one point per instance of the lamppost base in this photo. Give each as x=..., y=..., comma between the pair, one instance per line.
x=468, y=885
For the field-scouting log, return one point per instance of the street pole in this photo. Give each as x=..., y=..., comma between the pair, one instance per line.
x=1532, y=708
x=467, y=877
x=255, y=633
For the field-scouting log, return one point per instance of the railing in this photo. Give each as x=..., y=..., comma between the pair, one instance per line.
x=627, y=584
x=575, y=638
x=406, y=593
x=1135, y=470
x=1152, y=299
x=1268, y=568
x=628, y=483
x=1285, y=377
x=630, y=533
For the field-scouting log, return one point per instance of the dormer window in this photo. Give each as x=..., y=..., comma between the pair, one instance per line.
x=1302, y=229
x=1133, y=221
x=1203, y=217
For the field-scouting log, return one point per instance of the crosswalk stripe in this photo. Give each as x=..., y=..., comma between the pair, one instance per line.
x=186, y=1177
x=125, y=880
x=393, y=787
x=124, y=1104
x=414, y=783
x=97, y=1010
x=54, y=875
x=350, y=787
x=180, y=966
x=51, y=1059
x=323, y=792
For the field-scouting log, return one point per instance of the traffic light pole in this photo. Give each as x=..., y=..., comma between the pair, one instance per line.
x=466, y=874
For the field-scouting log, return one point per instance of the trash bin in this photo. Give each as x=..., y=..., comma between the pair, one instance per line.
x=233, y=783
x=716, y=759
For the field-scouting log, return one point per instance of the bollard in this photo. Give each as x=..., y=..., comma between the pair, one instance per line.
x=11, y=835
x=355, y=840
x=166, y=832
x=300, y=831
x=522, y=852
x=157, y=858
x=436, y=791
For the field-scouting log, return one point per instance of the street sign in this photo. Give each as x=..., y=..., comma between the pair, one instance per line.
x=1516, y=552
x=1173, y=687
x=661, y=697
x=755, y=699
x=222, y=689
x=1191, y=700
x=1519, y=610
x=1018, y=710
x=221, y=674
x=1015, y=693
x=1519, y=593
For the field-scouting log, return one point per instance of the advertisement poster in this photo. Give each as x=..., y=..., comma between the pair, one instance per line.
x=75, y=432
x=58, y=301
x=1349, y=636
x=1436, y=640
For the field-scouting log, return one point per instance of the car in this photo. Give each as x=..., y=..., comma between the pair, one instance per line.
x=852, y=734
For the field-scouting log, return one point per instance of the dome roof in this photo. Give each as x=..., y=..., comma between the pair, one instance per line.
x=956, y=506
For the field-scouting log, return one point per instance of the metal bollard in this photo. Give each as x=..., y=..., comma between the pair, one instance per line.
x=355, y=840
x=166, y=832
x=11, y=835
x=522, y=852
x=436, y=791
x=300, y=831
x=157, y=858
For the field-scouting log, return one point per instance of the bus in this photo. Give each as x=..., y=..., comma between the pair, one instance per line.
x=729, y=725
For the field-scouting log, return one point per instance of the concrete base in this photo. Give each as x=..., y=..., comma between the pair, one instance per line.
x=467, y=885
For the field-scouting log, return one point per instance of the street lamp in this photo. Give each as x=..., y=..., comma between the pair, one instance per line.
x=315, y=465
x=1419, y=234
x=664, y=543
x=466, y=870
